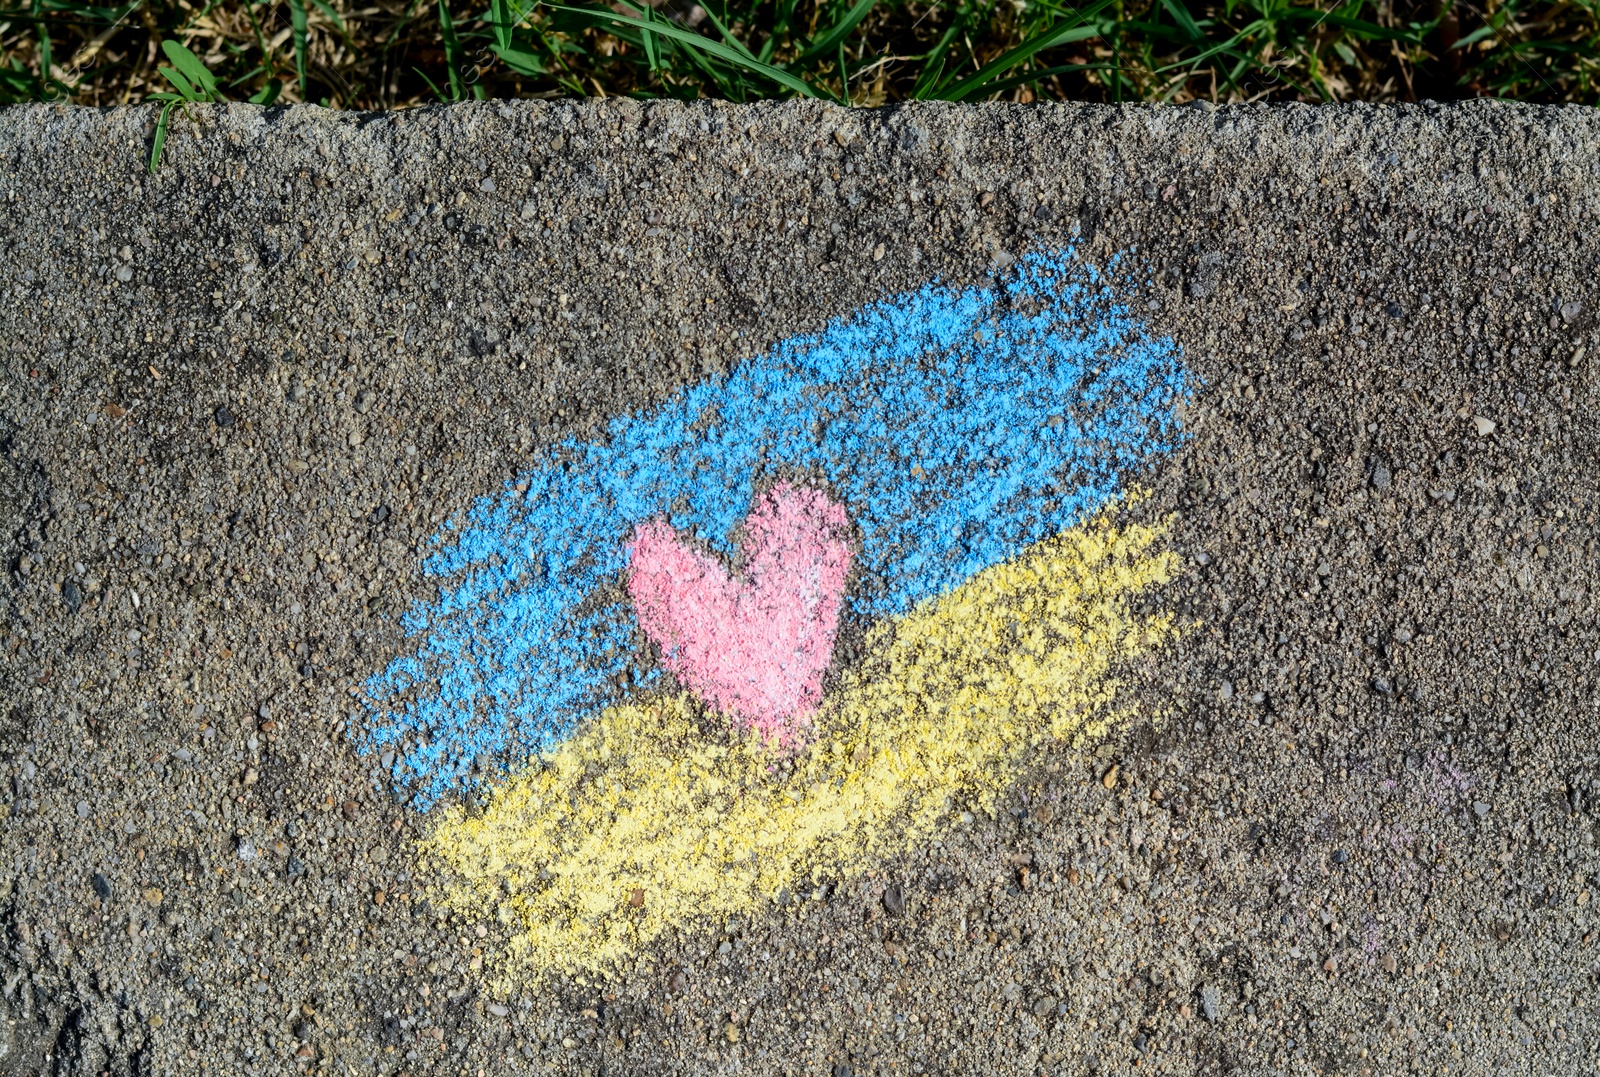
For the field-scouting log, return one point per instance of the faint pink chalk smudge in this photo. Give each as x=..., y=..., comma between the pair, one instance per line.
x=754, y=647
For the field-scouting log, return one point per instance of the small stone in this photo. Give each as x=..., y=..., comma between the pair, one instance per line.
x=636, y=898
x=1390, y=964
x=894, y=900
x=364, y=401
x=1044, y=1005
x=83, y=809
x=499, y=1010
x=1340, y=856
x=72, y=596
x=1570, y=311
x=1481, y=807
x=1381, y=479
x=1140, y=1042
x=1206, y=275
x=731, y=1032
x=295, y=867
x=1583, y=897
x=842, y=1069
x=1209, y=1000
x=156, y=1020
x=487, y=186
x=153, y=895
x=124, y=274
x=224, y=416
x=1382, y=686
x=1483, y=426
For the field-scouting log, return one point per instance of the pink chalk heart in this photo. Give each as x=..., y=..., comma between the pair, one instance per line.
x=753, y=646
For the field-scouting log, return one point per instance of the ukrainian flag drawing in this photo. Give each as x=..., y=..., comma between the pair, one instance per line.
x=635, y=667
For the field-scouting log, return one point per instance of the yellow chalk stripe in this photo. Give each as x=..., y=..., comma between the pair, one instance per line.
x=643, y=804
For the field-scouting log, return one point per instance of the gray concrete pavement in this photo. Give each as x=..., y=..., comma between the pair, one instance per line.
x=1340, y=820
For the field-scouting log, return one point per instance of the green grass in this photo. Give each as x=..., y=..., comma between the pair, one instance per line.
x=378, y=54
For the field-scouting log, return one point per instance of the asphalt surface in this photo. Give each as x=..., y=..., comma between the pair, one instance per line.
x=1344, y=826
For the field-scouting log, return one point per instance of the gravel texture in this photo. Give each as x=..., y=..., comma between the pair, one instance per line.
x=1349, y=830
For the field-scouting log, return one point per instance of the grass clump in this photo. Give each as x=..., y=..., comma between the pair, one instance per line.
x=379, y=54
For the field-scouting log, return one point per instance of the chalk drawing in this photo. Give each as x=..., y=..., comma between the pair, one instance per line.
x=954, y=429
x=637, y=635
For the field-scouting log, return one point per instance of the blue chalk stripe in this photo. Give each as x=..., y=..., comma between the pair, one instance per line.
x=957, y=426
